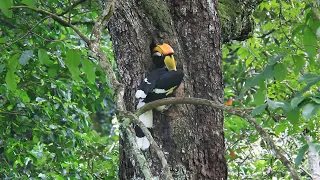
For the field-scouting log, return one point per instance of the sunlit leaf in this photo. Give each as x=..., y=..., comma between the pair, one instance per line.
x=5, y=5
x=280, y=128
x=310, y=42
x=3, y=40
x=317, y=146
x=88, y=68
x=309, y=110
x=259, y=97
x=29, y=3
x=309, y=78
x=73, y=62
x=296, y=101
x=10, y=81
x=259, y=109
x=299, y=63
x=274, y=59
x=318, y=32
x=275, y=104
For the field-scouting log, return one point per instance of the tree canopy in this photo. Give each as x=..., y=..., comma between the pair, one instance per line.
x=57, y=103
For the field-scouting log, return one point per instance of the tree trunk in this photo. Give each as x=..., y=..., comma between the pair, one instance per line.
x=191, y=137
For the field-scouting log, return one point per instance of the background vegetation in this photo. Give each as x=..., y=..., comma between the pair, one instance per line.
x=56, y=105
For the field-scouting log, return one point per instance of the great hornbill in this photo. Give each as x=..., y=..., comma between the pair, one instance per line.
x=160, y=83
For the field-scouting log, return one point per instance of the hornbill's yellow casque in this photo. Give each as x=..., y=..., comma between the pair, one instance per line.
x=160, y=83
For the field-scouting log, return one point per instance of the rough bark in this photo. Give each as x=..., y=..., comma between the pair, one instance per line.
x=235, y=18
x=191, y=137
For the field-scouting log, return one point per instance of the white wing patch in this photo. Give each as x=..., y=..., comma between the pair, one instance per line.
x=140, y=94
x=146, y=80
x=160, y=91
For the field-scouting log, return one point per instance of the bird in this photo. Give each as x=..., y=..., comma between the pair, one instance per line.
x=158, y=84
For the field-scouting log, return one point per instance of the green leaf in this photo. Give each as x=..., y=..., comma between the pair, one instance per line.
x=259, y=97
x=309, y=110
x=293, y=116
x=44, y=58
x=88, y=68
x=29, y=3
x=274, y=59
x=3, y=40
x=1, y=67
x=73, y=58
x=52, y=71
x=280, y=128
x=316, y=100
x=10, y=80
x=13, y=62
x=309, y=78
x=259, y=109
x=310, y=42
x=72, y=62
x=318, y=32
x=274, y=104
x=5, y=5
x=280, y=71
x=296, y=101
x=23, y=95
x=317, y=146
x=299, y=63
x=300, y=155
x=25, y=57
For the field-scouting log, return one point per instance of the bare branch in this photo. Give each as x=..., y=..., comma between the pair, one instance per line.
x=154, y=145
x=236, y=111
x=56, y=18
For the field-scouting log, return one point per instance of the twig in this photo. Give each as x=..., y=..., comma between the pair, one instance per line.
x=284, y=33
x=31, y=29
x=236, y=111
x=48, y=40
x=82, y=22
x=154, y=145
x=267, y=33
x=56, y=18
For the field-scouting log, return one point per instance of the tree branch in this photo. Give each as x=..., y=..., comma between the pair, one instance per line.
x=56, y=18
x=139, y=156
x=235, y=111
x=153, y=143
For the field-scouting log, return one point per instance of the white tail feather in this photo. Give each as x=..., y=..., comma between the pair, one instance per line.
x=143, y=143
x=147, y=119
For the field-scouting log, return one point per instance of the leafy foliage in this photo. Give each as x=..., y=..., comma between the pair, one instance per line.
x=275, y=72
x=55, y=105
